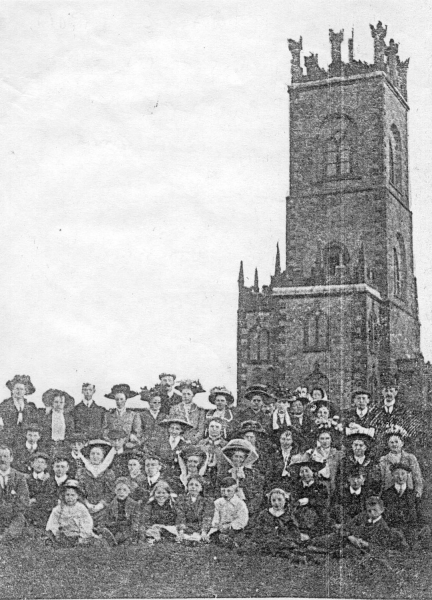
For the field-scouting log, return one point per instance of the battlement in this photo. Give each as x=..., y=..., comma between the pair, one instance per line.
x=386, y=59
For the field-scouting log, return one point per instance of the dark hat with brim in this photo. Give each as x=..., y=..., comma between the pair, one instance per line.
x=49, y=395
x=304, y=460
x=192, y=450
x=191, y=384
x=315, y=405
x=169, y=420
x=258, y=390
x=305, y=401
x=250, y=427
x=33, y=427
x=106, y=446
x=162, y=375
x=221, y=391
x=77, y=436
x=135, y=453
x=360, y=392
x=25, y=380
x=121, y=388
x=71, y=484
x=356, y=470
x=398, y=431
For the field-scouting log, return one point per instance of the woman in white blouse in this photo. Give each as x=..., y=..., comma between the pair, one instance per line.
x=58, y=423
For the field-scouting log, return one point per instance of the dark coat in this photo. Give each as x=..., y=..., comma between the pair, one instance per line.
x=166, y=402
x=89, y=421
x=44, y=493
x=303, y=433
x=345, y=505
x=372, y=472
x=400, y=511
x=97, y=489
x=194, y=516
x=379, y=533
x=168, y=456
x=14, y=499
x=12, y=430
x=313, y=517
x=274, y=477
x=153, y=514
x=46, y=423
x=152, y=432
x=22, y=455
x=268, y=529
x=132, y=510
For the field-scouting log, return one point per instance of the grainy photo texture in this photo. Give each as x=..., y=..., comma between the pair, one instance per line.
x=187, y=412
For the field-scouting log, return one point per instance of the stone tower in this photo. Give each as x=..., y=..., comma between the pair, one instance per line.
x=344, y=311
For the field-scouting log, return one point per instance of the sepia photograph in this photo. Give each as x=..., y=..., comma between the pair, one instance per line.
x=215, y=292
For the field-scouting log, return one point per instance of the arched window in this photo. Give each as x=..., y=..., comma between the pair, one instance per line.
x=259, y=345
x=316, y=332
x=335, y=255
x=395, y=158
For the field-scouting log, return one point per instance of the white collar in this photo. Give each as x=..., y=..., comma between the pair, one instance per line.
x=40, y=476
x=389, y=407
x=375, y=520
x=152, y=480
x=154, y=413
x=355, y=492
x=400, y=487
x=360, y=460
x=121, y=412
x=276, y=513
x=361, y=412
x=60, y=479
x=308, y=484
x=19, y=404
x=31, y=446
x=88, y=404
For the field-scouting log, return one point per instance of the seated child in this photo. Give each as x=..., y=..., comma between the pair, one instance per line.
x=194, y=512
x=367, y=531
x=350, y=500
x=276, y=530
x=70, y=522
x=97, y=479
x=231, y=514
x=402, y=505
x=24, y=449
x=41, y=491
x=310, y=496
x=119, y=464
x=159, y=514
x=121, y=521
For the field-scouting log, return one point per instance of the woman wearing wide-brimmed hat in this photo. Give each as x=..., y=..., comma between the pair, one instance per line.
x=257, y=436
x=16, y=412
x=223, y=400
x=257, y=396
x=57, y=422
x=121, y=417
x=240, y=457
x=325, y=418
x=189, y=411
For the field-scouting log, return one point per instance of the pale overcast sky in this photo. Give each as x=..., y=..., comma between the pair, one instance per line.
x=144, y=153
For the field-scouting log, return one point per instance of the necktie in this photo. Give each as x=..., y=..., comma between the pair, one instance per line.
x=20, y=416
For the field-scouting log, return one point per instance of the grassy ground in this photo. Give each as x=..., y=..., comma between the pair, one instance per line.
x=30, y=570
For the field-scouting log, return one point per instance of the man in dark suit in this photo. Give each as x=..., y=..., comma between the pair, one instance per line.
x=16, y=412
x=14, y=497
x=168, y=394
x=25, y=449
x=89, y=416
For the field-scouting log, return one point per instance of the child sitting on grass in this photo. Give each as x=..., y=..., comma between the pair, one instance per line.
x=41, y=491
x=231, y=515
x=121, y=521
x=159, y=514
x=70, y=522
x=350, y=500
x=194, y=512
x=276, y=530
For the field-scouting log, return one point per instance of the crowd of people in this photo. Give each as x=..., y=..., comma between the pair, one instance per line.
x=284, y=473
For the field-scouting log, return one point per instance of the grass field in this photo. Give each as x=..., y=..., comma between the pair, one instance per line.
x=31, y=570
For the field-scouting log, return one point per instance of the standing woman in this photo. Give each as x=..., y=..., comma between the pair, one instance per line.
x=223, y=401
x=189, y=411
x=326, y=452
x=58, y=421
x=17, y=412
x=122, y=418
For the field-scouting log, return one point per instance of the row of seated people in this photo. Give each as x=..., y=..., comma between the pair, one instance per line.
x=326, y=487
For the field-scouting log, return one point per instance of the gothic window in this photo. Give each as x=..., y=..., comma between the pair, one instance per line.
x=395, y=158
x=337, y=143
x=335, y=255
x=259, y=345
x=316, y=332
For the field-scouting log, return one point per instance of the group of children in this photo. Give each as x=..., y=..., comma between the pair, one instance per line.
x=283, y=474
